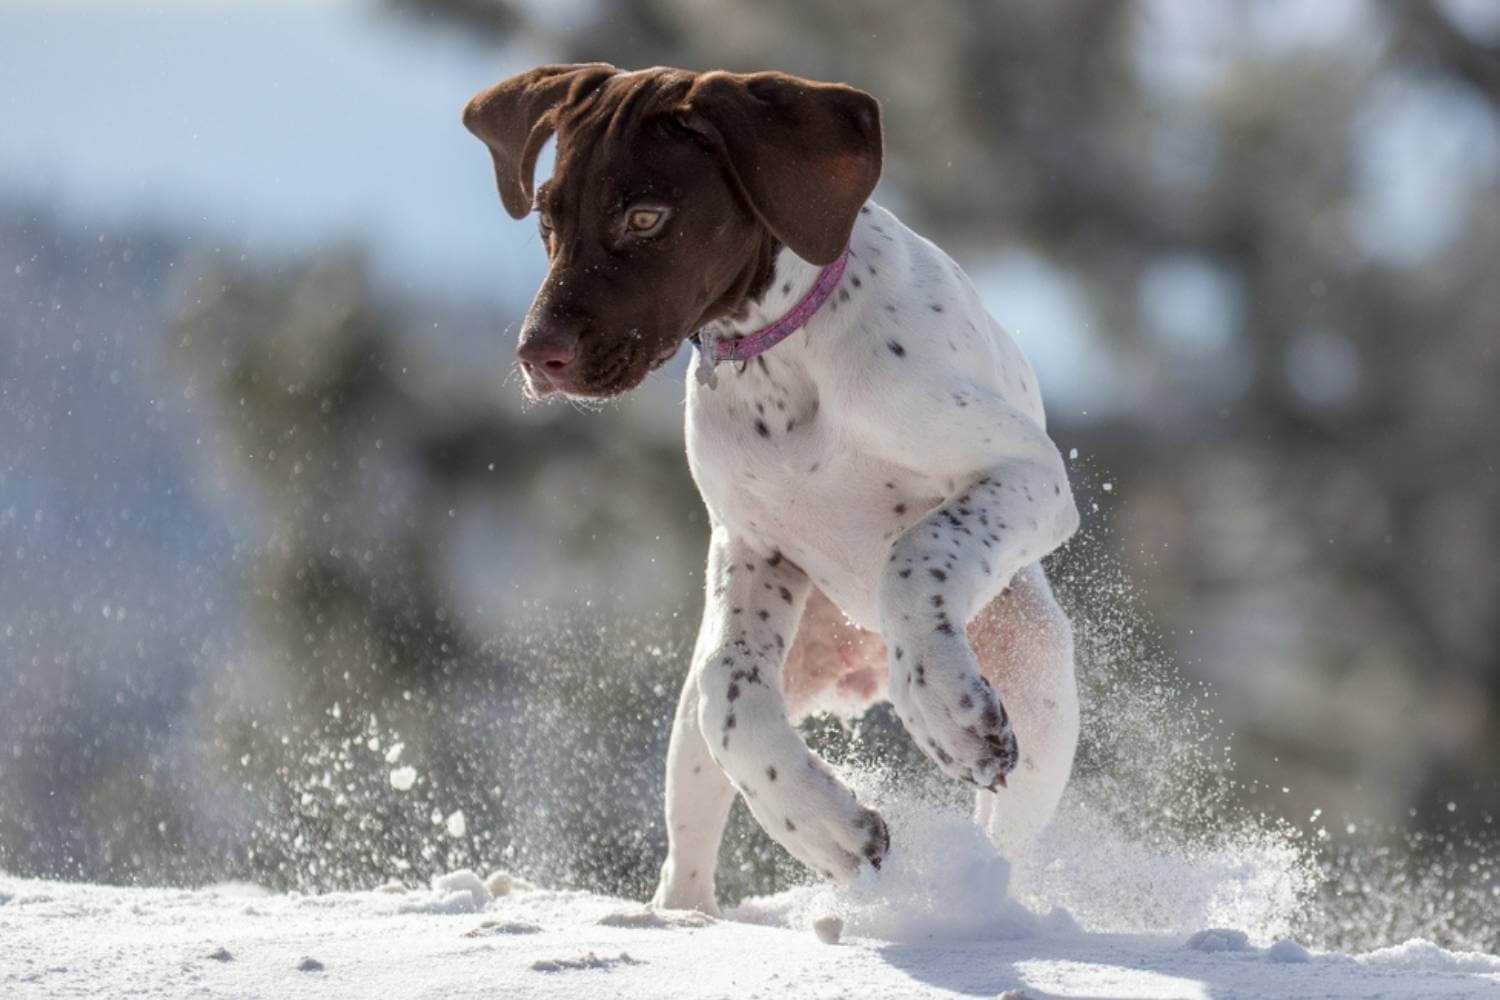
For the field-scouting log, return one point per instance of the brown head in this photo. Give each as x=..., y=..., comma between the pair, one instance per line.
x=671, y=194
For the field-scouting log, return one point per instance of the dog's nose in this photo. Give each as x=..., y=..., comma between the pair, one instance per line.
x=551, y=349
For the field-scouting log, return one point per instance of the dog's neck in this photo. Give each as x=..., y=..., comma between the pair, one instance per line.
x=781, y=372
x=749, y=345
x=786, y=282
x=813, y=346
x=764, y=328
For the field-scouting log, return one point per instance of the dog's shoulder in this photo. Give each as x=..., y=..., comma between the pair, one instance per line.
x=908, y=315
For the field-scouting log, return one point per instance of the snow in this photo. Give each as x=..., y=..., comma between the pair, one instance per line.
x=941, y=881
x=1426, y=955
x=224, y=941
x=1218, y=939
x=1092, y=914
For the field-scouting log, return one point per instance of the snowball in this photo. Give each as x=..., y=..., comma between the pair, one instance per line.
x=1287, y=950
x=402, y=778
x=503, y=883
x=1218, y=939
x=461, y=883
x=828, y=928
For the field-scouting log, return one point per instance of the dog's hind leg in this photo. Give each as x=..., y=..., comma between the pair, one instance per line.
x=1025, y=647
x=698, y=799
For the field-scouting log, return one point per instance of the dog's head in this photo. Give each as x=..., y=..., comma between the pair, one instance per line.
x=670, y=195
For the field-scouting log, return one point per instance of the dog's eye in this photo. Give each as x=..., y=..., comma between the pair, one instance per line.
x=644, y=221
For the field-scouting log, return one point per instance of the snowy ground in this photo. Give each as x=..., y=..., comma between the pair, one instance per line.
x=456, y=940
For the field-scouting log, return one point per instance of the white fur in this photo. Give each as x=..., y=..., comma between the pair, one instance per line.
x=892, y=454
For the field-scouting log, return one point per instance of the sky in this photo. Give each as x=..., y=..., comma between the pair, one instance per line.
x=277, y=124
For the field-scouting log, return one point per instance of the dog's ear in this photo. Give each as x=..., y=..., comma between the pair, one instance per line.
x=805, y=155
x=516, y=116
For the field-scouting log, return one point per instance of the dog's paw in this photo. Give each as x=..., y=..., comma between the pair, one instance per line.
x=689, y=892
x=817, y=818
x=952, y=712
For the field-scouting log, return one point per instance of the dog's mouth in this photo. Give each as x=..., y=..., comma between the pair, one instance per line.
x=613, y=374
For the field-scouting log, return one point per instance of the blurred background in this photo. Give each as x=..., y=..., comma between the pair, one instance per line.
x=294, y=589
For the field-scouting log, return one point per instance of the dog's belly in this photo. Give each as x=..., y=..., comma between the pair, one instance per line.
x=832, y=665
x=825, y=506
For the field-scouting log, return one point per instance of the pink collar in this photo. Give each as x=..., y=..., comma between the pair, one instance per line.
x=746, y=347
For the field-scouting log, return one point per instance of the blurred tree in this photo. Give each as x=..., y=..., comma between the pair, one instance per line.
x=366, y=477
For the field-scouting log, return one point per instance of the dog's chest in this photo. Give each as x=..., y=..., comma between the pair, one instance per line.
x=777, y=467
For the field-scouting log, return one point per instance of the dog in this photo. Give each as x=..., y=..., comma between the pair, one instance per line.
x=869, y=443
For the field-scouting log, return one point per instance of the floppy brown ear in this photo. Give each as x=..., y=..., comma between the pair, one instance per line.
x=806, y=155
x=516, y=116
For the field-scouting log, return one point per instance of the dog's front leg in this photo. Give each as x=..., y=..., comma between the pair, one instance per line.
x=1010, y=506
x=754, y=603
x=941, y=572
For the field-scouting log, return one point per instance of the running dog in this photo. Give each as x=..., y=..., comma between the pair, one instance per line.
x=869, y=443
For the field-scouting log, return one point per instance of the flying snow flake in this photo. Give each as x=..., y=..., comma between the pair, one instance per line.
x=457, y=825
x=402, y=778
